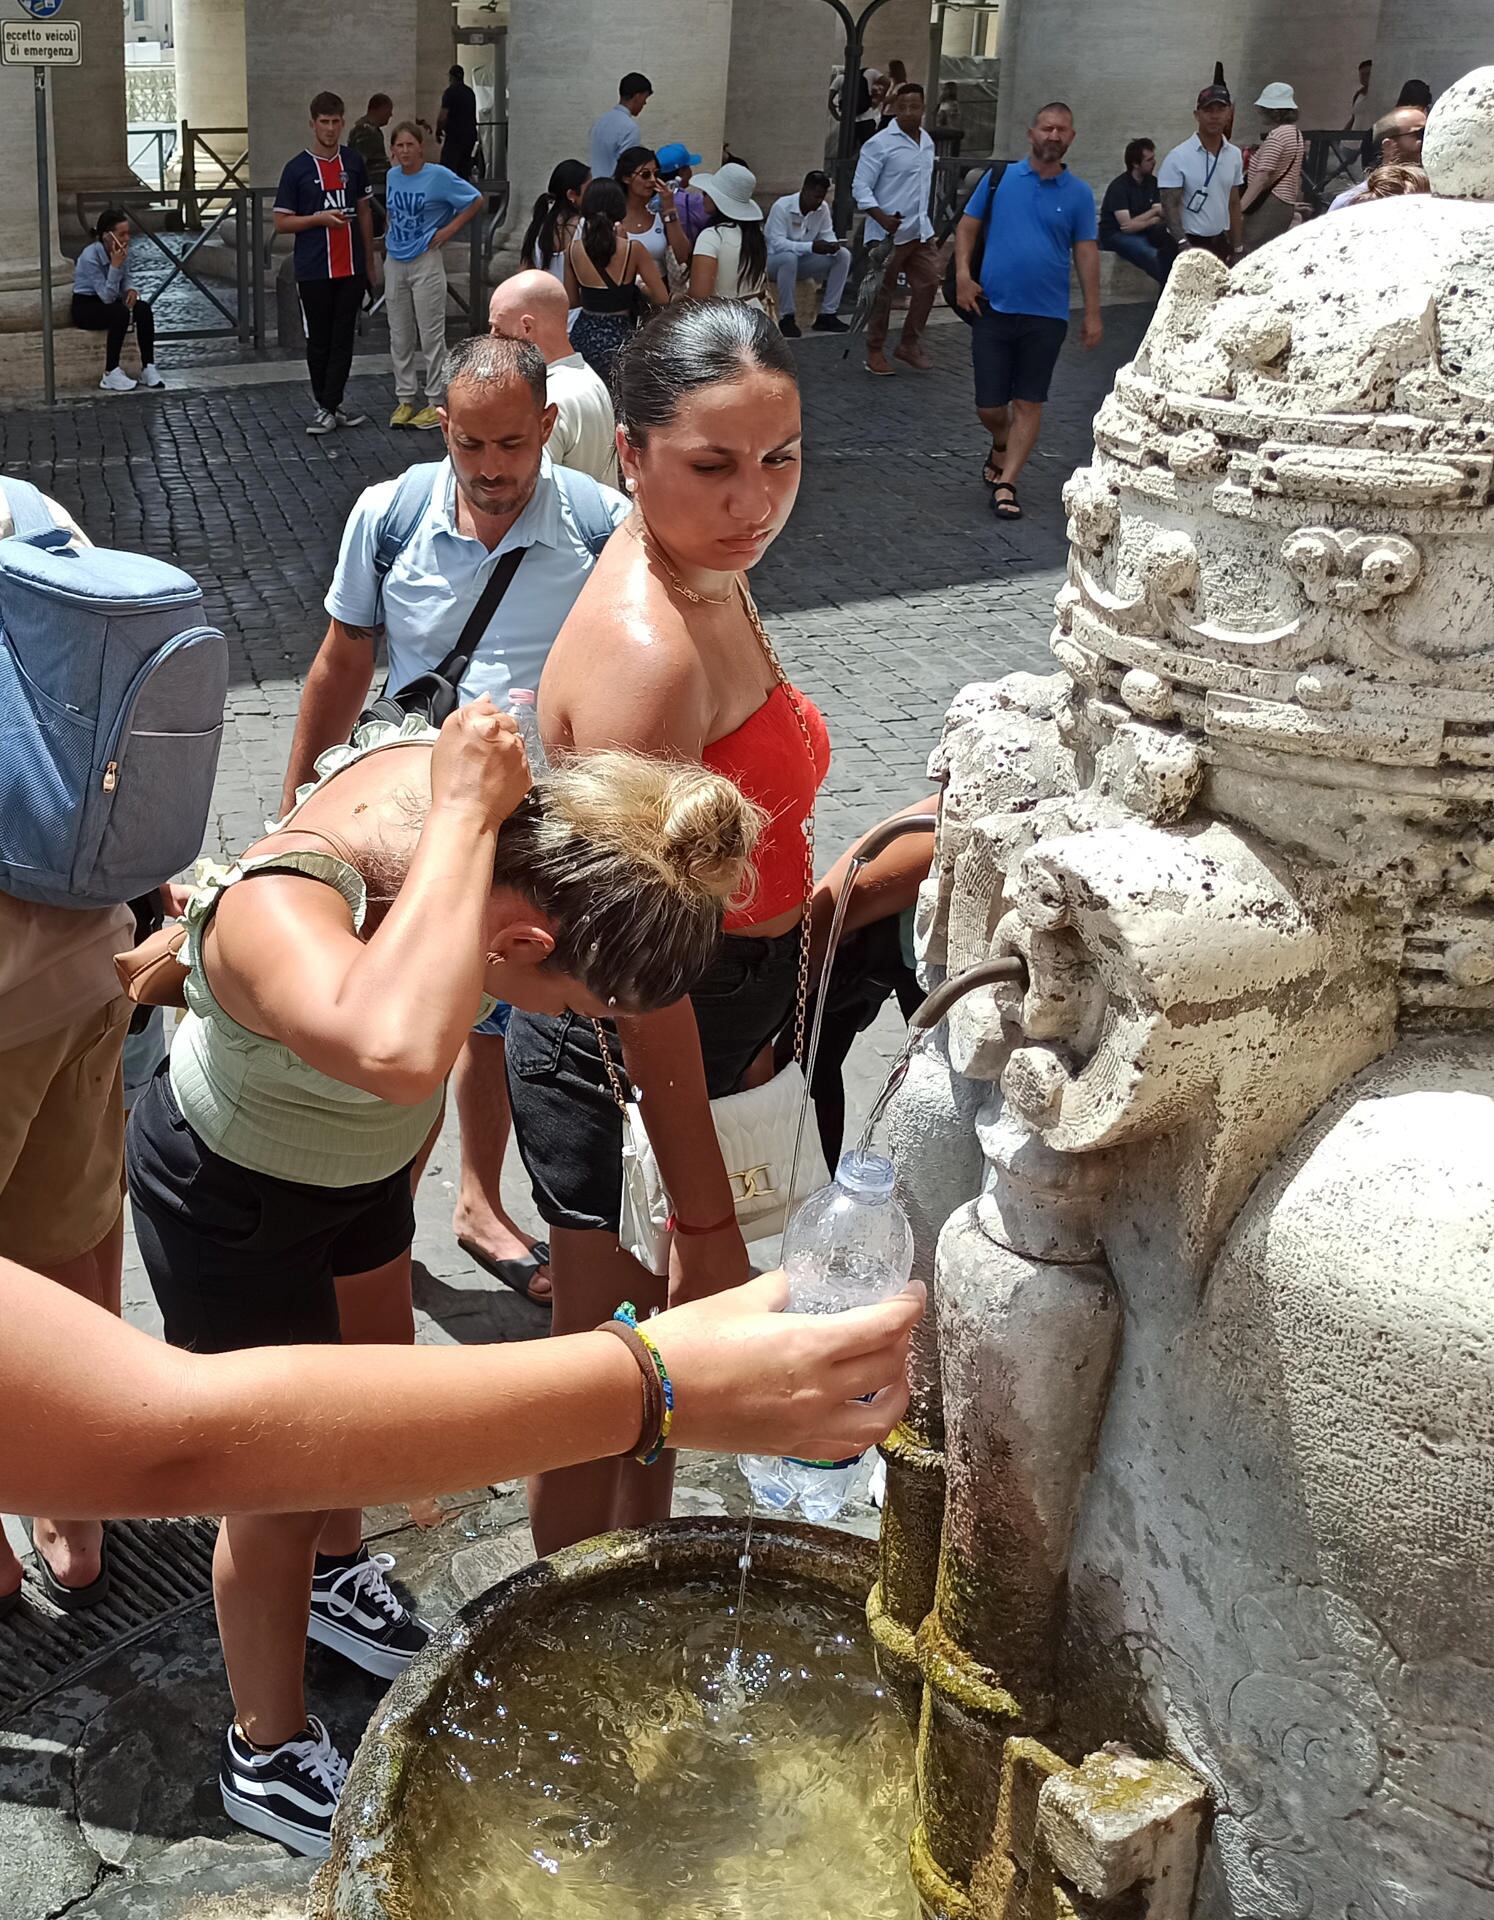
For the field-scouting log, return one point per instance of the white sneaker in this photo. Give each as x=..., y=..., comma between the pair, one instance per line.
x=149, y=377
x=322, y=421
x=116, y=380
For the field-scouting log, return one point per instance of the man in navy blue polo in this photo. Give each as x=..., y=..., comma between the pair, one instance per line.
x=1033, y=222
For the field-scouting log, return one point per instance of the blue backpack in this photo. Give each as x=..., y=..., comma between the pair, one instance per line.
x=111, y=715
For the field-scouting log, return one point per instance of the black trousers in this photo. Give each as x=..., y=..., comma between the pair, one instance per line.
x=113, y=318
x=331, y=310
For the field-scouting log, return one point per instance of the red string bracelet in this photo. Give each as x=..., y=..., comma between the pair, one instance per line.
x=674, y=1224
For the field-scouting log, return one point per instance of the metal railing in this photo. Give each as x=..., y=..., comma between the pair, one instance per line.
x=150, y=151
x=1328, y=163
x=199, y=188
x=485, y=233
x=240, y=223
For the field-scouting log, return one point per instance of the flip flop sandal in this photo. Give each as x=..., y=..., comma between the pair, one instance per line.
x=74, y=1599
x=516, y=1275
x=1005, y=509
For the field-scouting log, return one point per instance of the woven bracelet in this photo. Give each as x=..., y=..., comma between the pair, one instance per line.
x=626, y=1318
x=658, y=1412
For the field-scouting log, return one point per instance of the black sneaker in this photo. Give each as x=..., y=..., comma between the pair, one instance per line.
x=788, y=326
x=830, y=323
x=288, y=1794
x=354, y=1612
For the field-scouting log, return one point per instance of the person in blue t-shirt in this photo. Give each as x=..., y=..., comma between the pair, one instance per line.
x=425, y=206
x=1027, y=227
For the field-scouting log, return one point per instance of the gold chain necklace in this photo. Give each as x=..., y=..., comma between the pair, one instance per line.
x=655, y=552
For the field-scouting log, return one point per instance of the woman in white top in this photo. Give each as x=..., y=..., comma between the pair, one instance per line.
x=638, y=176
x=557, y=214
x=730, y=261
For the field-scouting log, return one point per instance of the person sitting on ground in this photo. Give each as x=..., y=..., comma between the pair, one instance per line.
x=1271, y=200
x=802, y=244
x=605, y=269
x=1397, y=139
x=1131, y=222
x=335, y=974
x=730, y=261
x=1386, y=183
x=531, y=306
x=105, y=302
x=554, y=220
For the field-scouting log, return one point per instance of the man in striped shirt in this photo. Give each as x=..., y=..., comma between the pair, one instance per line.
x=324, y=199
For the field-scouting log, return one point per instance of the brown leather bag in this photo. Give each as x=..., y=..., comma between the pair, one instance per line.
x=152, y=974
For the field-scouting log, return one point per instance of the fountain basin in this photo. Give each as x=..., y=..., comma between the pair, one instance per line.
x=402, y=1808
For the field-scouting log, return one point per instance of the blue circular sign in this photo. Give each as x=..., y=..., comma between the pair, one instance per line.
x=42, y=9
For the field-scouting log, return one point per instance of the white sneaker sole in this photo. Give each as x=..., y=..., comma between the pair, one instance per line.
x=259, y=1819
x=386, y=1664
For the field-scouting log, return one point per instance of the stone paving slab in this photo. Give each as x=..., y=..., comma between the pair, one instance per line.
x=892, y=588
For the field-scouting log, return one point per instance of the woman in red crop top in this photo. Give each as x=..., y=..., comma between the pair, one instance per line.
x=663, y=653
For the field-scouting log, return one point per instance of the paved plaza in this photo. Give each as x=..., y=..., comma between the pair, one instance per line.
x=891, y=589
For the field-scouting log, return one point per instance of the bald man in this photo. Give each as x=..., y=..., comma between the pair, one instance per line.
x=1397, y=139
x=532, y=306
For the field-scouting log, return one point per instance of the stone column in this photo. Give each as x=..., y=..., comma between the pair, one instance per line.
x=290, y=55
x=1129, y=83
x=211, y=88
x=435, y=49
x=777, y=117
x=898, y=31
x=565, y=58
x=88, y=104
x=1436, y=44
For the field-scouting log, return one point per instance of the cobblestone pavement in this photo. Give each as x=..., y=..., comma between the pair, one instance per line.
x=891, y=589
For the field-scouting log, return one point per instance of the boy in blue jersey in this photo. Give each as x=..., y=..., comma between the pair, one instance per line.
x=325, y=200
x=1017, y=293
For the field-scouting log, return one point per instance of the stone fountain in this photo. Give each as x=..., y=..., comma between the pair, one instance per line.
x=1188, y=1557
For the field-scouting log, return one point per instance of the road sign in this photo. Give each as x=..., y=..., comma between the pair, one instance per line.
x=42, y=9
x=41, y=43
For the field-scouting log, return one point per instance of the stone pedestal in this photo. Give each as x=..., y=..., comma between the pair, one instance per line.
x=565, y=58
x=20, y=264
x=88, y=104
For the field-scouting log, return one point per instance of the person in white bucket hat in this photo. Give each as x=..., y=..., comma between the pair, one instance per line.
x=1272, y=199
x=730, y=260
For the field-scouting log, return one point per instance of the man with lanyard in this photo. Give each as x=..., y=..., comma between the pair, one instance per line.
x=325, y=200
x=495, y=494
x=1201, y=181
x=894, y=180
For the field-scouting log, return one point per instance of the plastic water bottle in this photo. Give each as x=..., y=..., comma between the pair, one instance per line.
x=526, y=718
x=848, y=1245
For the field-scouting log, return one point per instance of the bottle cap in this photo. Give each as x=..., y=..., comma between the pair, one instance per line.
x=521, y=696
x=868, y=1173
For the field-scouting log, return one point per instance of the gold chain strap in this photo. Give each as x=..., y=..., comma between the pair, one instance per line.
x=801, y=988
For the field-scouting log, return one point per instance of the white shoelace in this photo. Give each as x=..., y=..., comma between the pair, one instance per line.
x=367, y=1576
x=320, y=1759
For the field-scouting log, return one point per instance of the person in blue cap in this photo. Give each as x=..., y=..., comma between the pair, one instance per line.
x=677, y=201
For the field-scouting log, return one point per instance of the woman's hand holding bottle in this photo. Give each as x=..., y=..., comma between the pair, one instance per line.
x=478, y=766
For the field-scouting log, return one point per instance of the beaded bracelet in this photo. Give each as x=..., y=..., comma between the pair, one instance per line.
x=627, y=1314
x=658, y=1388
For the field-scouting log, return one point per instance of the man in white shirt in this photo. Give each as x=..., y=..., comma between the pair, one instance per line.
x=532, y=306
x=617, y=129
x=893, y=184
x=1201, y=180
x=802, y=245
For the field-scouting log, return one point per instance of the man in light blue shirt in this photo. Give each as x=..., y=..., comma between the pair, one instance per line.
x=495, y=492
x=893, y=185
x=617, y=129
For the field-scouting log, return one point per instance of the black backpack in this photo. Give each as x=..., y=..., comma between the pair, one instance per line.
x=994, y=174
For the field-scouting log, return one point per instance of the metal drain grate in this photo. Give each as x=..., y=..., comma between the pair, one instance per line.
x=159, y=1568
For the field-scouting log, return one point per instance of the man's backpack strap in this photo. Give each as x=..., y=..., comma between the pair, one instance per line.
x=412, y=495
x=589, y=505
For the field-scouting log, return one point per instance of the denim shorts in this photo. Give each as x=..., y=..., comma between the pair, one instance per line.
x=566, y=1123
x=1014, y=355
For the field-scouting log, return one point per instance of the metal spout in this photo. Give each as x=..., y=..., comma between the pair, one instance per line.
x=939, y=1002
x=883, y=836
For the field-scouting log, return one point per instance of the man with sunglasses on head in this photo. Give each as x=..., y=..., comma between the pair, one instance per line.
x=1398, y=136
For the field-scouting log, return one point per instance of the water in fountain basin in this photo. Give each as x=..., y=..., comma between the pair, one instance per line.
x=612, y=1774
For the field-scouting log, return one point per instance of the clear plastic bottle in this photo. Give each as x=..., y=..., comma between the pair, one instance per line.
x=848, y=1245
x=522, y=706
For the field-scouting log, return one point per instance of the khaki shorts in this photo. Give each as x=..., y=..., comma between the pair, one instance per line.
x=62, y=1139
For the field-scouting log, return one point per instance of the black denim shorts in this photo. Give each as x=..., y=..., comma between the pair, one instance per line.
x=566, y=1122
x=241, y=1259
x=1014, y=355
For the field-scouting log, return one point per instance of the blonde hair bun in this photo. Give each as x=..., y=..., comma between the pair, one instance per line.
x=693, y=828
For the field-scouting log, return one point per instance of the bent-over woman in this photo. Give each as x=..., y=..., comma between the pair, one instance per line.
x=335, y=973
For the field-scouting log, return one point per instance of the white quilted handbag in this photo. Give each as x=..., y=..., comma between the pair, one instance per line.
x=756, y=1130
